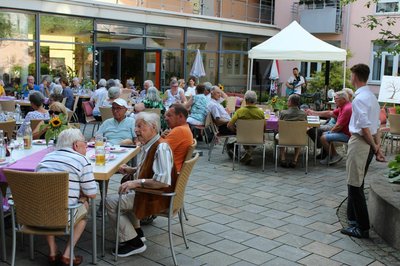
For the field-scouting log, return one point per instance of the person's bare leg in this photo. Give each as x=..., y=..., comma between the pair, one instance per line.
x=78, y=230
x=325, y=145
x=296, y=154
x=282, y=155
x=51, y=241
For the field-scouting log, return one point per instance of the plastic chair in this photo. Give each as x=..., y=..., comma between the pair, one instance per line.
x=231, y=104
x=40, y=210
x=8, y=128
x=105, y=113
x=74, y=108
x=125, y=94
x=244, y=136
x=89, y=119
x=292, y=134
x=8, y=106
x=175, y=206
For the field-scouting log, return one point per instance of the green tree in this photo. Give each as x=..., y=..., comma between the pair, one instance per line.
x=335, y=78
x=388, y=40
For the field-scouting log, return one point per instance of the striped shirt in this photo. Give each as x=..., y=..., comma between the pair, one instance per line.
x=79, y=168
x=163, y=160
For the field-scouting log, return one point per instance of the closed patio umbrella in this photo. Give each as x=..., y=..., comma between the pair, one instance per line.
x=198, y=67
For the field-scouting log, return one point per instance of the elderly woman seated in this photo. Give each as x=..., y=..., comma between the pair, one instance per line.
x=113, y=93
x=152, y=101
x=197, y=104
x=37, y=99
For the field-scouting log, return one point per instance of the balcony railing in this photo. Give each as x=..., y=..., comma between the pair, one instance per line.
x=249, y=10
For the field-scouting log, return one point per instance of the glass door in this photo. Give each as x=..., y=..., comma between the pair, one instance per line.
x=108, y=63
x=152, y=67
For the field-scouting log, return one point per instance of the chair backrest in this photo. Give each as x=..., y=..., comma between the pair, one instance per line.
x=265, y=107
x=125, y=94
x=209, y=120
x=7, y=106
x=64, y=101
x=8, y=128
x=394, y=121
x=250, y=131
x=76, y=100
x=153, y=110
x=87, y=108
x=293, y=133
x=105, y=113
x=231, y=103
x=182, y=181
x=41, y=199
x=70, y=115
x=191, y=149
x=35, y=124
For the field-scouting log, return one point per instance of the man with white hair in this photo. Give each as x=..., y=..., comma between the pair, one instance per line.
x=29, y=86
x=69, y=156
x=146, y=85
x=98, y=97
x=76, y=86
x=154, y=171
x=250, y=111
x=340, y=131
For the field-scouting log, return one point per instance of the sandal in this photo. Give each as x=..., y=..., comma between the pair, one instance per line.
x=284, y=164
x=293, y=164
x=54, y=260
x=77, y=260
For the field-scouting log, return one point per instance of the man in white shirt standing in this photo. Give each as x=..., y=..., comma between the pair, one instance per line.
x=363, y=145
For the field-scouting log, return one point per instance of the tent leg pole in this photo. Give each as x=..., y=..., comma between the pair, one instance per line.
x=250, y=74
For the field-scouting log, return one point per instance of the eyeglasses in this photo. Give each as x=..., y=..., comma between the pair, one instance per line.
x=51, y=112
x=117, y=108
x=85, y=142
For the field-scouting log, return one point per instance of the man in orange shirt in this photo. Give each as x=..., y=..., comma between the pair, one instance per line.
x=179, y=137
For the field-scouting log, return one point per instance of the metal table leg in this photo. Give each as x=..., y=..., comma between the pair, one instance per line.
x=3, y=254
x=103, y=221
x=94, y=231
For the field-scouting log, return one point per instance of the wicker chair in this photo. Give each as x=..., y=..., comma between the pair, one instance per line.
x=75, y=106
x=175, y=206
x=40, y=210
x=8, y=128
x=7, y=106
x=106, y=113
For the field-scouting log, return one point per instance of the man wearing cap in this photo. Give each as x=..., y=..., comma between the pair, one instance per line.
x=119, y=129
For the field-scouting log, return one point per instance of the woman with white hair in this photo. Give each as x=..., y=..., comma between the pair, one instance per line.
x=113, y=93
x=98, y=97
x=154, y=101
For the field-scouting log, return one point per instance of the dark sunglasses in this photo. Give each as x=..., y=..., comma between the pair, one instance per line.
x=51, y=112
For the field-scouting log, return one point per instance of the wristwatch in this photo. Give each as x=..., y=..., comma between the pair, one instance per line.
x=142, y=182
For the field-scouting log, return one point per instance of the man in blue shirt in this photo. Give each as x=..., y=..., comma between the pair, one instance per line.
x=29, y=86
x=119, y=129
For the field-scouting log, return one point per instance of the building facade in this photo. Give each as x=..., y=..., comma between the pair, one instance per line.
x=131, y=39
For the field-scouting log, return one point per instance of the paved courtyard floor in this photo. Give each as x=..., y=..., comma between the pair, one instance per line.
x=249, y=217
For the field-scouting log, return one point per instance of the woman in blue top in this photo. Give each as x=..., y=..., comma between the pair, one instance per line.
x=197, y=105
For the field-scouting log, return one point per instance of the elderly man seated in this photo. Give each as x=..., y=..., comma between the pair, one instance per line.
x=119, y=129
x=69, y=156
x=155, y=171
x=293, y=113
x=250, y=111
x=218, y=112
x=340, y=131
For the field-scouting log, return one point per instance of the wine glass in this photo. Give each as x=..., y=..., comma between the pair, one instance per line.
x=11, y=145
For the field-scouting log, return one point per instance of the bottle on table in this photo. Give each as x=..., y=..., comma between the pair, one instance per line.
x=27, y=135
x=18, y=113
x=2, y=147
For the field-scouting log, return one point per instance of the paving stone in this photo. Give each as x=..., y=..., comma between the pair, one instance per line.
x=276, y=214
x=194, y=249
x=293, y=240
x=228, y=247
x=295, y=219
x=267, y=232
x=295, y=229
x=203, y=238
x=322, y=249
x=280, y=262
x=236, y=235
x=254, y=256
x=217, y=258
x=262, y=244
x=321, y=237
x=289, y=252
x=221, y=218
x=270, y=222
x=352, y=258
x=323, y=227
x=314, y=259
x=243, y=225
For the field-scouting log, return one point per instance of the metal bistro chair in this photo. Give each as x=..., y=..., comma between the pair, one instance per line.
x=39, y=209
x=175, y=206
x=89, y=119
x=244, y=136
x=216, y=137
x=292, y=134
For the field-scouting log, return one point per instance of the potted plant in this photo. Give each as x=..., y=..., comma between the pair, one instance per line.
x=54, y=127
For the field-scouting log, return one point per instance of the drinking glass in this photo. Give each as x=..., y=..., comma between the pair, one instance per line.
x=11, y=146
x=20, y=140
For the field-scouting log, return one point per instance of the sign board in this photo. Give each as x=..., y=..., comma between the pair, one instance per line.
x=389, y=91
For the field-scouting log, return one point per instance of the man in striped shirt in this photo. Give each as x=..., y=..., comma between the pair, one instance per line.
x=155, y=170
x=69, y=156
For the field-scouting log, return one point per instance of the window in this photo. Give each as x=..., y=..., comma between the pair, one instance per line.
x=387, y=6
x=307, y=69
x=384, y=64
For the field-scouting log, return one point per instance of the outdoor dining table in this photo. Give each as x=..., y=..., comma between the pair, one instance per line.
x=27, y=160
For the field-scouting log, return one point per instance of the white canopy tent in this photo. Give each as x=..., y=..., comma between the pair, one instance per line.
x=297, y=44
